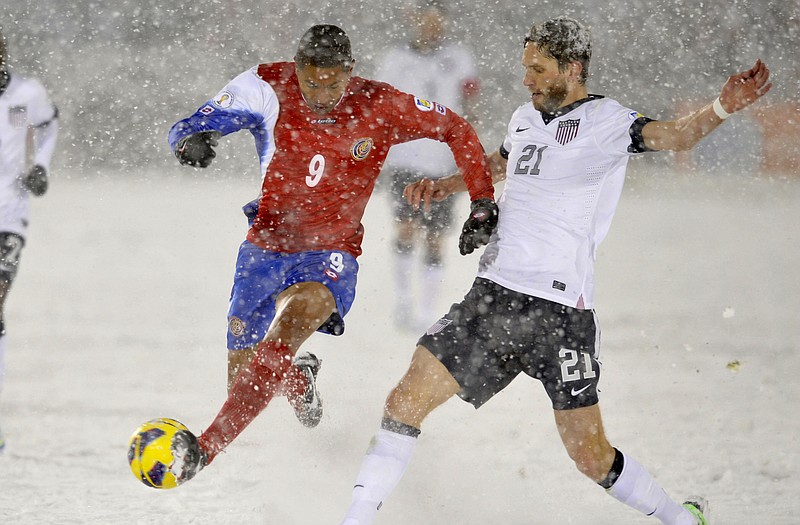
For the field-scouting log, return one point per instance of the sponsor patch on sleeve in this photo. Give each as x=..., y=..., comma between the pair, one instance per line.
x=422, y=104
x=205, y=110
x=633, y=115
x=440, y=109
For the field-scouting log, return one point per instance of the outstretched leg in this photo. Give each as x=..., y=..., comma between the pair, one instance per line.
x=426, y=385
x=582, y=433
x=256, y=374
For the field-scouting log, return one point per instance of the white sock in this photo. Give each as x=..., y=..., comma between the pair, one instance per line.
x=636, y=488
x=432, y=281
x=385, y=463
x=403, y=280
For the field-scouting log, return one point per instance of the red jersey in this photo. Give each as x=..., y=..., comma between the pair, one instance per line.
x=320, y=170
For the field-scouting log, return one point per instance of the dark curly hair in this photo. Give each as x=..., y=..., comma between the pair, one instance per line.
x=324, y=45
x=564, y=39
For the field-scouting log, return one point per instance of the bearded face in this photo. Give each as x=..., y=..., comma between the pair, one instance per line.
x=551, y=97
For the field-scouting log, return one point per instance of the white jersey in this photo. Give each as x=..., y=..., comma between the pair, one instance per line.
x=442, y=76
x=564, y=180
x=24, y=108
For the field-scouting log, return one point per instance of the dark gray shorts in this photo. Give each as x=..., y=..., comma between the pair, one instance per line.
x=494, y=334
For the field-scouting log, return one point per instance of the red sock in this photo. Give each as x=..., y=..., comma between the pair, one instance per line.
x=251, y=393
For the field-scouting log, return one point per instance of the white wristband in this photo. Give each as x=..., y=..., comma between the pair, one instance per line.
x=719, y=110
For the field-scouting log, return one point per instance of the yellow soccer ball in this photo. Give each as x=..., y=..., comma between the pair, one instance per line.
x=150, y=452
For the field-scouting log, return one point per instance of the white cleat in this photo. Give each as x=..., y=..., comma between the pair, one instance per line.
x=698, y=507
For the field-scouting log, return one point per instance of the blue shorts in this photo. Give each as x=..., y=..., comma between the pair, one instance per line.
x=261, y=276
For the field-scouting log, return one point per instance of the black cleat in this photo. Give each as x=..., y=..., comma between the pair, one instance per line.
x=308, y=406
x=187, y=457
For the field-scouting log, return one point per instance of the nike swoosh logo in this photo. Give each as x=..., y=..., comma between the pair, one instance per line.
x=520, y=130
x=576, y=392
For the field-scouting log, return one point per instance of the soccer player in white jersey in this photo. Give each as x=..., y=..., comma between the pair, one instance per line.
x=530, y=310
x=434, y=68
x=26, y=118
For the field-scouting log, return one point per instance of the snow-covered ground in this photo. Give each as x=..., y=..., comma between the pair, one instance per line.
x=118, y=316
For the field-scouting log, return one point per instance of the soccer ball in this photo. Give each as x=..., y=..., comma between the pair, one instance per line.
x=150, y=452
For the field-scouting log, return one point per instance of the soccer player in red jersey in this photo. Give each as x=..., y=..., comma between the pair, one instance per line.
x=322, y=135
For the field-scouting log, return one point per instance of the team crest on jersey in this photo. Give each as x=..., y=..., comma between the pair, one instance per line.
x=361, y=148
x=18, y=116
x=224, y=100
x=567, y=130
x=422, y=104
x=236, y=326
x=333, y=276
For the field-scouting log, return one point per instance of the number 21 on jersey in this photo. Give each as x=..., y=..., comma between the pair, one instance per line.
x=524, y=165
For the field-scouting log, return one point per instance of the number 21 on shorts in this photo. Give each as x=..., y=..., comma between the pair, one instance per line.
x=575, y=365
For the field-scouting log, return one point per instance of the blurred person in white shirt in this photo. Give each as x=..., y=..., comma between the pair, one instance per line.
x=28, y=132
x=443, y=73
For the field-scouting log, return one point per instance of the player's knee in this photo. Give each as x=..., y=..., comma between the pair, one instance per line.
x=398, y=400
x=591, y=461
x=406, y=405
x=237, y=361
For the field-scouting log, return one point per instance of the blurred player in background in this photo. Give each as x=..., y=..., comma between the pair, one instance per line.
x=531, y=308
x=322, y=136
x=28, y=132
x=434, y=69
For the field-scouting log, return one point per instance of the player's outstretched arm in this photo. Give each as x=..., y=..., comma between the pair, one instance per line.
x=740, y=91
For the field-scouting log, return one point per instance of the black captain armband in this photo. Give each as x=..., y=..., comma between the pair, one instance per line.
x=504, y=152
x=637, y=144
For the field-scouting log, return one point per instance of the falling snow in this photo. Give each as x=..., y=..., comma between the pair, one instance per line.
x=118, y=312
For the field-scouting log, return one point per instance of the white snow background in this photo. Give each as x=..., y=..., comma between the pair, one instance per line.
x=118, y=316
